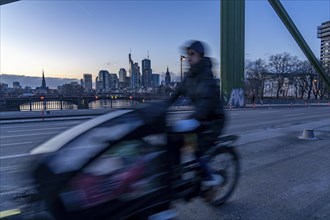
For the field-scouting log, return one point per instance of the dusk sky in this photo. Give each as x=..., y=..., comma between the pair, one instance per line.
x=70, y=38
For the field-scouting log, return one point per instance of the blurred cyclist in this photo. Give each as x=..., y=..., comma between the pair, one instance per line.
x=200, y=86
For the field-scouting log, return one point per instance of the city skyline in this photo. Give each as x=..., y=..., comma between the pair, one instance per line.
x=90, y=36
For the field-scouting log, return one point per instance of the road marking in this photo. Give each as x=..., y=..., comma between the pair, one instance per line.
x=8, y=213
x=28, y=125
x=14, y=156
x=4, y=145
x=27, y=135
x=268, y=112
x=234, y=114
x=295, y=114
x=38, y=129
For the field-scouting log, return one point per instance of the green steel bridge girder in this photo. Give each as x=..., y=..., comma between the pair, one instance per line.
x=232, y=26
x=284, y=16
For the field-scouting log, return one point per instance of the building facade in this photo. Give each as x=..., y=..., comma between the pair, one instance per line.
x=323, y=32
x=3, y=87
x=16, y=85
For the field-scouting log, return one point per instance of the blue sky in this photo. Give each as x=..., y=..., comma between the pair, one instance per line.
x=70, y=38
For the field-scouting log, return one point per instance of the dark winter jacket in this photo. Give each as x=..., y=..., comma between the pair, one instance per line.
x=200, y=86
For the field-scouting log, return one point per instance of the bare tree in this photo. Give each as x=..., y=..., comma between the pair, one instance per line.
x=281, y=66
x=323, y=90
x=307, y=77
x=255, y=74
x=292, y=74
x=285, y=72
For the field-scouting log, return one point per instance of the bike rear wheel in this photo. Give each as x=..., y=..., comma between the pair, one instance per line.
x=224, y=161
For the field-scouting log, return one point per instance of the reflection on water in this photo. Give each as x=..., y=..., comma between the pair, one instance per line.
x=51, y=105
x=58, y=105
x=111, y=104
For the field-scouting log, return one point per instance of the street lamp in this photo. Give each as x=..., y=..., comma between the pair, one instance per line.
x=181, y=58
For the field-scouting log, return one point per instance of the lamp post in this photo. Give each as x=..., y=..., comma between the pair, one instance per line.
x=315, y=86
x=181, y=58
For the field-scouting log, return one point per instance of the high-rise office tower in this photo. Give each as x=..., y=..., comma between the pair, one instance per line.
x=146, y=73
x=131, y=72
x=103, y=82
x=323, y=32
x=122, y=75
x=137, y=76
x=113, y=80
x=155, y=80
x=134, y=73
x=88, y=82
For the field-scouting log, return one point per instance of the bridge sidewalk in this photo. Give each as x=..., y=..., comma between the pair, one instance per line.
x=22, y=116
x=52, y=115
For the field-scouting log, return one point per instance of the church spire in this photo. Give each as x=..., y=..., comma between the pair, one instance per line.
x=167, y=78
x=43, y=83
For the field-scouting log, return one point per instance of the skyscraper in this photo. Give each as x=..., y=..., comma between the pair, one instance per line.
x=137, y=76
x=97, y=84
x=113, y=81
x=155, y=80
x=82, y=84
x=88, y=82
x=146, y=73
x=131, y=71
x=103, y=82
x=134, y=73
x=323, y=32
x=122, y=75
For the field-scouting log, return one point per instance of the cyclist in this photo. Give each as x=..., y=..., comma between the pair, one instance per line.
x=200, y=86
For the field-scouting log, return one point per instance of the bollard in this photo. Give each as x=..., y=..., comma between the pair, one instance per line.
x=42, y=115
x=308, y=135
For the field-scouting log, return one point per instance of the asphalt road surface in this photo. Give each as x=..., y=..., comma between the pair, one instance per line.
x=282, y=176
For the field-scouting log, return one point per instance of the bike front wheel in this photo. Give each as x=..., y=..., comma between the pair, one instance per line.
x=225, y=162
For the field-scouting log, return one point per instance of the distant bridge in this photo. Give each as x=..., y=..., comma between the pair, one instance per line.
x=82, y=102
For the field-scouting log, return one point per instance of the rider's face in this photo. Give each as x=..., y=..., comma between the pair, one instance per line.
x=193, y=57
